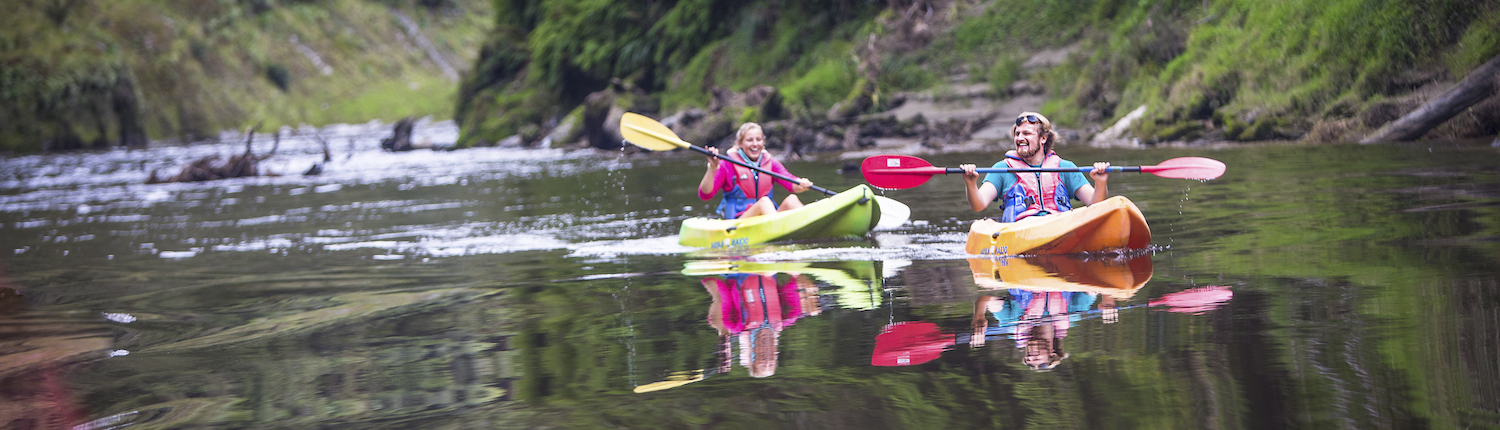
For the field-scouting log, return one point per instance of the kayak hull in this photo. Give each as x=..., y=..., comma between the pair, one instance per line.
x=847, y=214
x=1057, y=273
x=1114, y=223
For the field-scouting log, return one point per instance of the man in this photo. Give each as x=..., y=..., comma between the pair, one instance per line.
x=1026, y=194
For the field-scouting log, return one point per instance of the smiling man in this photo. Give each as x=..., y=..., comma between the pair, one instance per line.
x=1024, y=194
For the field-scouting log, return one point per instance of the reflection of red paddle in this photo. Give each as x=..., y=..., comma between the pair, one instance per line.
x=909, y=343
x=904, y=171
x=1196, y=300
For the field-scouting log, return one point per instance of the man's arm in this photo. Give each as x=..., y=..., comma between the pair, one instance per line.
x=1091, y=194
x=981, y=195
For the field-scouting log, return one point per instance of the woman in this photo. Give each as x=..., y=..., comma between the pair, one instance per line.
x=747, y=193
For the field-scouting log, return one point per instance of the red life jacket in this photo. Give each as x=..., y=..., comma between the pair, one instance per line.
x=1041, y=189
x=754, y=184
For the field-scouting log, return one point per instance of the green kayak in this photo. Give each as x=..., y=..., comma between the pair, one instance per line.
x=850, y=213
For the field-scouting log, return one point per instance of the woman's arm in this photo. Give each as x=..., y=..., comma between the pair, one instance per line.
x=802, y=184
x=706, y=186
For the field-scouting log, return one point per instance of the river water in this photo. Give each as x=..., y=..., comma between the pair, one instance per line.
x=1336, y=286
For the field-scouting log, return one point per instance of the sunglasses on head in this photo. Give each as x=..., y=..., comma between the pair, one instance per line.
x=1027, y=118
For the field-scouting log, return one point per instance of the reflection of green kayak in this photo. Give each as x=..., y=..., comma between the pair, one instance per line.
x=850, y=213
x=859, y=285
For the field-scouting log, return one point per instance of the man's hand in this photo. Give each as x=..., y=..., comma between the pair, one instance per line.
x=1100, y=172
x=969, y=174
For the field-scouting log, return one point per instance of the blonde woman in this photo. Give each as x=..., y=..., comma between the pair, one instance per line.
x=747, y=192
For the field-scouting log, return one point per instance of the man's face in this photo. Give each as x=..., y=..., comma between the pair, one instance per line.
x=1028, y=139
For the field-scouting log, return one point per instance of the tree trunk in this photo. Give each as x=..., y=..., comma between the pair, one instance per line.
x=1479, y=85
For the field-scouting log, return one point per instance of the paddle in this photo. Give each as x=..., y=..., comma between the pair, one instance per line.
x=904, y=171
x=645, y=132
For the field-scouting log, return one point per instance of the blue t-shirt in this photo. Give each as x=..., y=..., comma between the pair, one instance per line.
x=1003, y=181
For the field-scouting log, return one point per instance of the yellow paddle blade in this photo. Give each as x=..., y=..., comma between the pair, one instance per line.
x=645, y=132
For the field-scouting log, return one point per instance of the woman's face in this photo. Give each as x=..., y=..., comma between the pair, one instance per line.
x=753, y=142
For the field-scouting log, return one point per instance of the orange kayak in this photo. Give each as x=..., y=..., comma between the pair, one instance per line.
x=1114, y=223
x=1119, y=279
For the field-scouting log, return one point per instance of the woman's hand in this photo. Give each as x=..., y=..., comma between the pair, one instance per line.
x=803, y=184
x=713, y=160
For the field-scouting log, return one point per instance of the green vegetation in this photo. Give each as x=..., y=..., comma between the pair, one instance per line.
x=83, y=73
x=1228, y=69
x=557, y=52
x=80, y=73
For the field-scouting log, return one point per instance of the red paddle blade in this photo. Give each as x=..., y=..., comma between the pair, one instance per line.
x=897, y=171
x=1187, y=168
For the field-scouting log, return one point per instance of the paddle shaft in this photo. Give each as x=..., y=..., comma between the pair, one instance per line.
x=758, y=168
x=946, y=170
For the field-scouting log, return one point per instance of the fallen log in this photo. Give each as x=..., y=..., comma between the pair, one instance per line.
x=208, y=169
x=1481, y=84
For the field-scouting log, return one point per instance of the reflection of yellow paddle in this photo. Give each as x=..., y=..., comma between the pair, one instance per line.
x=677, y=379
x=1061, y=273
x=857, y=281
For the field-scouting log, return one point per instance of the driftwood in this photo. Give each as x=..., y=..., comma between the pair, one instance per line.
x=238, y=166
x=1481, y=84
x=317, y=168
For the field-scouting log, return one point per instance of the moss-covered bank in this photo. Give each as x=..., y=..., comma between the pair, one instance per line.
x=78, y=73
x=1225, y=69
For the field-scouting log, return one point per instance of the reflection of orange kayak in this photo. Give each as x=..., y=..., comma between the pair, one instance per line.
x=1111, y=224
x=1060, y=273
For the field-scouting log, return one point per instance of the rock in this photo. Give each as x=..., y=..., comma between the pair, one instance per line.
x=512, y=141
x=720, y=98
x=599, y=113
x=686, y=118
x=400, y=139
x=568, y=130
x=1024, y=87
x=1115, y=135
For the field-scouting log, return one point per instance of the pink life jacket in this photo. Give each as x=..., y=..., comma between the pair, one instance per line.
x=762, y=303
x=1040, y=189
x=752, y=183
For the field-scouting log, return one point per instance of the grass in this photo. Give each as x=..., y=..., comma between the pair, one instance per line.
x=200, y=67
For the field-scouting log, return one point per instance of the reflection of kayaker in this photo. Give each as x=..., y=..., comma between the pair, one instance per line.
x=748, y=308
x=754, y=308
x=1037, y=320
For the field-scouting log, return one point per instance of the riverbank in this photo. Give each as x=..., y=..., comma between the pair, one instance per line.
x=1223, y=70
